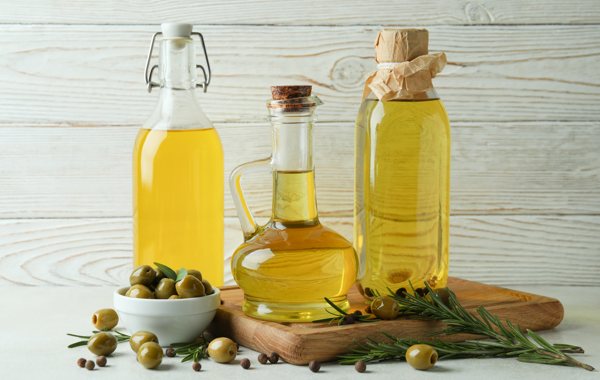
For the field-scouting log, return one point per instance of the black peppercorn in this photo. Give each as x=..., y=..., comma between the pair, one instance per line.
x=314, y=366
x=360, y=366
x=196, y=366
x=274, y=357
x=348, y=319
x=170, y=352
x=81, y=362
x=401, y=292
x=89, y=364
x=369, y=292
x=421, y=292
x=101, y=361
x=263, y=358
x=245, y=363
x=356, y=312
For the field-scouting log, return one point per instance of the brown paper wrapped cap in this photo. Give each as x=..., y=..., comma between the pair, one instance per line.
x=399, y=45
x=405, y=66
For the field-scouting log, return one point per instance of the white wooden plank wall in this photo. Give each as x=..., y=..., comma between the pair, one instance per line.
x=522, y=89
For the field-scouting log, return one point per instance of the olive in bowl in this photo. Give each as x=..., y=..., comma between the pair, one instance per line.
x=172, y=320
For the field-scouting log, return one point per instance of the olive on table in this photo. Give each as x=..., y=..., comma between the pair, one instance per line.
x=139, y=291
x=137, y=339
x=195, y=273
x=385, y=308
x=165, y=289
x=102, y=344
x=150, y=355
x=222, y=350
x=421, y=356
x=105, y=319
x=190, y=287
x=208, y=289
x=142, y=275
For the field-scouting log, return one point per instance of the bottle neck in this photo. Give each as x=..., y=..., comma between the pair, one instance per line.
x=294, y=195
x=177, y=66
x=178, y=107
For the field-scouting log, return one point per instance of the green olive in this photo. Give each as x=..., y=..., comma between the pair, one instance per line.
x=102, y=344
x=208, y=289
x=105, y=319
x=158, y=276
x=385, y=307
x=174, y=297
x=195, y=273
x=139, y=291
x=142, y=275
x=222, y=350
x=141, y=337
x=165, y=288
x=150, y=355
x=421, y=356
x=190, y=287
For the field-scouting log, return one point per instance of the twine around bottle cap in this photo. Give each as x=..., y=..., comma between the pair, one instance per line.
x=405, y=67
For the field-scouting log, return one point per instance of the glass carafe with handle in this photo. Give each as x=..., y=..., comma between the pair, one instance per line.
x=178, y=174
x=288, y=266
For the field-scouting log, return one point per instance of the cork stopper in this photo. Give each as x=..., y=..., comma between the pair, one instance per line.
x=290, y=92
x=400, y=45
x=291, y=98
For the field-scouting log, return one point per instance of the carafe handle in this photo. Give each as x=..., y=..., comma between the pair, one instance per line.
x=249, y=226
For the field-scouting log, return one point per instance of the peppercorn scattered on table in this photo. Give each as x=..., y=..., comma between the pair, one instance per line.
x=34, y=322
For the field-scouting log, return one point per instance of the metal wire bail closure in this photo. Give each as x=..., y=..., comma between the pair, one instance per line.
x=148, y=72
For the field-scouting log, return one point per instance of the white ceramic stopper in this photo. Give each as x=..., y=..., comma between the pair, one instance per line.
x=176, y=30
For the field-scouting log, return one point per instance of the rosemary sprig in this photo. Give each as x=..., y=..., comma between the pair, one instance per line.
x=504, y=338
x=121, y=337
x=192, y=351
x=340, y=317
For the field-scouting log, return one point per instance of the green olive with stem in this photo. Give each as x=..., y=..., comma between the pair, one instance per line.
x=421, y=356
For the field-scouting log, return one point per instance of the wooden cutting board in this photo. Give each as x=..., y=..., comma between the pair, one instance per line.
x=299, y=343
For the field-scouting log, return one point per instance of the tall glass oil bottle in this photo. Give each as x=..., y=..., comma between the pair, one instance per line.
x=402, y=168
x=289, y=265
x=178, y=167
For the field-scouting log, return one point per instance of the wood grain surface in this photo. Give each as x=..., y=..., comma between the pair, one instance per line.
x=93, y=74
x=497, y=168
x=299, y=343
x=311, y=12
x=501, y=250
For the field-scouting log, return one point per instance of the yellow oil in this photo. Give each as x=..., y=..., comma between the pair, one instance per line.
x=178, y=200
x=402, y=194
x=293, y=262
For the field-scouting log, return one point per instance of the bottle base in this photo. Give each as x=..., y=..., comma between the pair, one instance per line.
x=291, y=312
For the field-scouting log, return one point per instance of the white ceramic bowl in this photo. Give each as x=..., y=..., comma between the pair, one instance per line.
x=173, y=321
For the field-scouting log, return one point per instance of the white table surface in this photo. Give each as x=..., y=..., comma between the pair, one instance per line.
x=34, y=321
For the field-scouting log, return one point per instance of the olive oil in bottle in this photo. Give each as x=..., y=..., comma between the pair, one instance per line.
x=289, y=265
x=178, y=168
x=402, y=186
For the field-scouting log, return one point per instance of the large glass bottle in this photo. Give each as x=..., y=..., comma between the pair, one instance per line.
x=178, y=168
x=289, y=265
x=402, y=169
